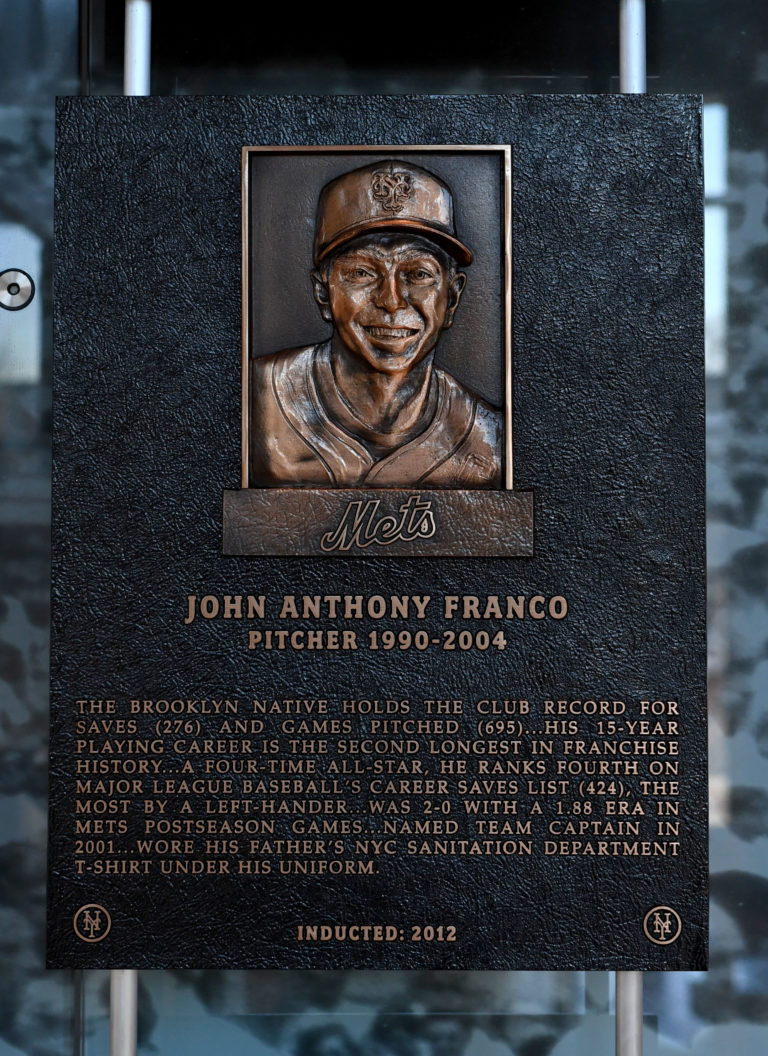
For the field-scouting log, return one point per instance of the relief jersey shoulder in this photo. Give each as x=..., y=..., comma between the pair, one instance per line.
x=293, y=442
x=472, y=457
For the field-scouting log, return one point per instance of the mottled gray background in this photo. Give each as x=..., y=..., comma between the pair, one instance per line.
x=715, y=46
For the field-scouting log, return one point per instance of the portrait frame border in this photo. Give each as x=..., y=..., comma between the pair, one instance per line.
x=505, y=156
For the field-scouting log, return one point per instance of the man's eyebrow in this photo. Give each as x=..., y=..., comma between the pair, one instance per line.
x=357, y=255
x=415, y=252
x=420, y=254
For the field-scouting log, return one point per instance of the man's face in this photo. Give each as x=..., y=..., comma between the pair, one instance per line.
x=389, y=298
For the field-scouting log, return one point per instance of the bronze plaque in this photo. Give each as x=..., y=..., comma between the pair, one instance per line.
x=397, y=389
x=387, y=522
x=378, y=585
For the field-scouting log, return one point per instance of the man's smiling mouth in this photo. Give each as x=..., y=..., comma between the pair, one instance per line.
x=391, y=331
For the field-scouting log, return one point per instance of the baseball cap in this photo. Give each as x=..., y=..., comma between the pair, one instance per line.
x=388, y=195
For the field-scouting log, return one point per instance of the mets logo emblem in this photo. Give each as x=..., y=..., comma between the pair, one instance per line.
x=92, y=923
x=662, y=925
x=391, y=189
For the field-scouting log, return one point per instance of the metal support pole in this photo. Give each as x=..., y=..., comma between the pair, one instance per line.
x=124, y=982
x=138, y=39
x=629, y=1014
x=78, y=1019
x=123, y=1011
x=632, y=46
x=629, y=985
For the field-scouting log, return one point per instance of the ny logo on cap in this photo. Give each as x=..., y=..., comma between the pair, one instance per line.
x=392, y=189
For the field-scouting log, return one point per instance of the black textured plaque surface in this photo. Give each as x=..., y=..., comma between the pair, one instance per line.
x=608, y=413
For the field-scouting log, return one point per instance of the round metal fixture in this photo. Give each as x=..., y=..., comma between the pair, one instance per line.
x=16, y=289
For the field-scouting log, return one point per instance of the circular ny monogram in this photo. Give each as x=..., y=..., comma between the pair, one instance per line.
x=92, y=923
x=392, y=189
x=662, y=925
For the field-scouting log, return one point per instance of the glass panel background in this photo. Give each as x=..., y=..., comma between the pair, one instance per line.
x=714, y=47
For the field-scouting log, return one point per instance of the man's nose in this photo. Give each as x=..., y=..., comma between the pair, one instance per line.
x=389, y=294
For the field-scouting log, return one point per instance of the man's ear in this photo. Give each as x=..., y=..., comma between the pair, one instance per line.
x=455, y=290
x=321, y=296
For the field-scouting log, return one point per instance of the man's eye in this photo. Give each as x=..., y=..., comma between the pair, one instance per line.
x=421, y=275
x=359, y=274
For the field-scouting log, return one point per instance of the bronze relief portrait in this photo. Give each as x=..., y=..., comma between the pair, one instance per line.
x=377, y=318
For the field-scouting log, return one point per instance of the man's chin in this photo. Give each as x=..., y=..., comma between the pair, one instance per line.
x=391, y=361
x=407, y=345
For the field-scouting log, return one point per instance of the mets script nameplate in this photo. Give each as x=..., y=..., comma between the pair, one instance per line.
x=355, y=522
